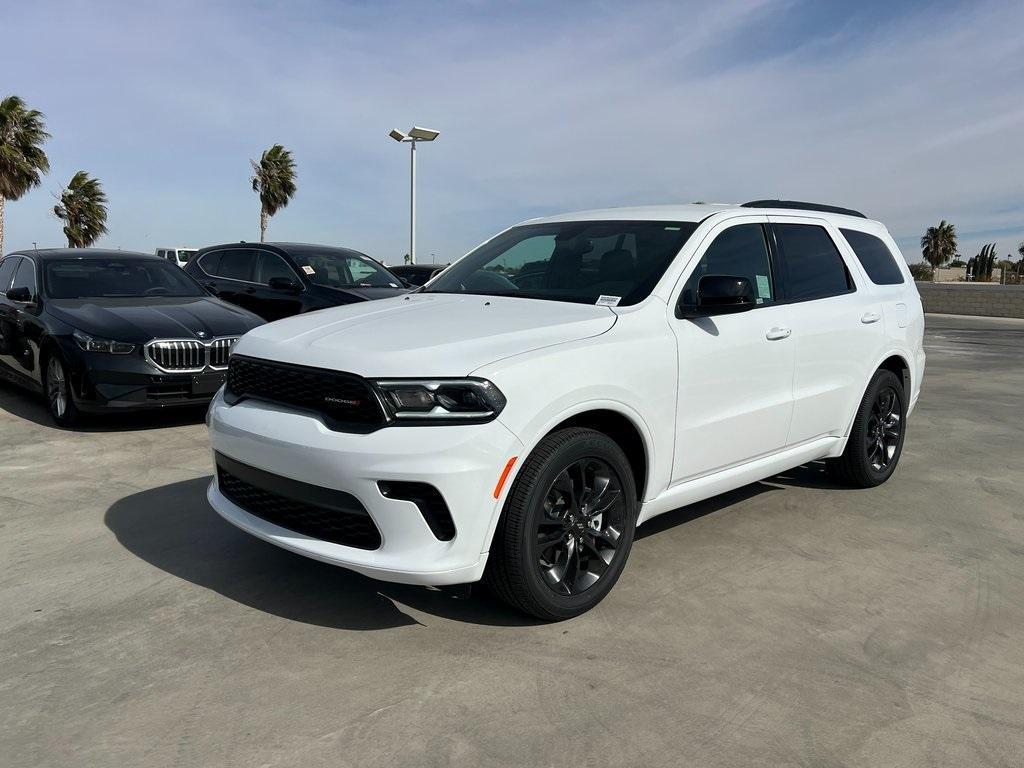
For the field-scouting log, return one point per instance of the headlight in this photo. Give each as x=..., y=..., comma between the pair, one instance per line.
x=440, y=400
x=92, y=344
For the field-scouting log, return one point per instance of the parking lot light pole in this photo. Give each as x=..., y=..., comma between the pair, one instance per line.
x=416, y=134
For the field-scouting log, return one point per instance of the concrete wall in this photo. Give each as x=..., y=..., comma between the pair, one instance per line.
x=973, y=299
x=959, y=274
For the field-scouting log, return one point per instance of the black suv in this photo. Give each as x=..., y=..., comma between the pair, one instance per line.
x=277, y=280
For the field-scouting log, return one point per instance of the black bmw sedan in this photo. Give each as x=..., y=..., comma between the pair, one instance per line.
x=98, y=330
x=277, y=280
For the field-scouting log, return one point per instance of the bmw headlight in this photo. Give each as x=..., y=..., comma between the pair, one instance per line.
x=93, y=344
x=440, y=400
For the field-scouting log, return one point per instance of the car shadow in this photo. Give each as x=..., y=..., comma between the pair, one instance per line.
x=692, y=512
x=173, y=528
x=31, y=407
x=810, y=475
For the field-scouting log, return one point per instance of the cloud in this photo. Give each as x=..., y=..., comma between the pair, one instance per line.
x=911, y=113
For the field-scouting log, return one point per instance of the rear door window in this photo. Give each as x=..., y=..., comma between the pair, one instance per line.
x=874, y=255
x=814, y=267
x=210, y=262
x=232, y=264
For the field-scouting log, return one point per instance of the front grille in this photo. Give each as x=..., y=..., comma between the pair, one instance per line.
x=178, y=355
x=344, y=401
x=320, y=513
x=219, y=352
x=189, y=355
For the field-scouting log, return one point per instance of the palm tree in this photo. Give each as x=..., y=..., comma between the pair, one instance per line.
x=939, y=244
x=22, y=160
x=83, y=208
x=274, y=180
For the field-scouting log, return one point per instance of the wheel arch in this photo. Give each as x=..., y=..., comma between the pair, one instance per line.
x=47, y=347
x=898, y=364
x=614, y=419
x=623, y=431
x=896, y=361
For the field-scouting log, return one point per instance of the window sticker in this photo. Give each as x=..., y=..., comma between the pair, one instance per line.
x=764, y=287
x=608, y=301
x=308, y=269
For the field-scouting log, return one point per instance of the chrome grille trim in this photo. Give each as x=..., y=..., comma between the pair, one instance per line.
x=189, y=355
x=218, y=355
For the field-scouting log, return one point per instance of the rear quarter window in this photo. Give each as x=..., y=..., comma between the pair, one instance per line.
x=874, y=255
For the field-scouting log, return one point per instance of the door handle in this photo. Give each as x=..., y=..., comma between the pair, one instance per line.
x=870, y=317
x=778, y=332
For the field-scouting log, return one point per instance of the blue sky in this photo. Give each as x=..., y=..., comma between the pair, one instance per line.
x=912, y=112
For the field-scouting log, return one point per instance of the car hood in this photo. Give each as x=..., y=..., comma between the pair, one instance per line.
x=138, y=320
x=424, y=334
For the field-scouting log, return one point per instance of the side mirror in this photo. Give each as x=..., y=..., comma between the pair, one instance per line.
x=284, y=284
x=22, y=294
x=720, y=295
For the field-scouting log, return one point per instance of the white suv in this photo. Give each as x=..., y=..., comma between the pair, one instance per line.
x=571, y=378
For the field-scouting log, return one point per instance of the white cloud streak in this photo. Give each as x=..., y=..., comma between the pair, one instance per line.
x=541, y=110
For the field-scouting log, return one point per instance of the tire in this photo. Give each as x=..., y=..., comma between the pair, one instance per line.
x=876, y=438
x=574, y=500
x=57, y=391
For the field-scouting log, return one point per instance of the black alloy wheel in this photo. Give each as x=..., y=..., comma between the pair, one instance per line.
x=876, y=438
x=884, y=429
x=578, y=535
x=567, y=526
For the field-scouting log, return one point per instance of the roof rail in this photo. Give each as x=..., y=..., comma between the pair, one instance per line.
x=797, y=205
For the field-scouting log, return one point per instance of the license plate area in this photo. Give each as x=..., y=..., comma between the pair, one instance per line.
x=207, y=383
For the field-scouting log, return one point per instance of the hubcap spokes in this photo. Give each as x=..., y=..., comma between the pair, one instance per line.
x=884, y=429
x=56, y=392
x=579, y=529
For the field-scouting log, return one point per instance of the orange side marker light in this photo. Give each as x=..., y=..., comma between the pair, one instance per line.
x=504, y=476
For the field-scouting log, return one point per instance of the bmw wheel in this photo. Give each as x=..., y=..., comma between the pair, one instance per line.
x=58, y=392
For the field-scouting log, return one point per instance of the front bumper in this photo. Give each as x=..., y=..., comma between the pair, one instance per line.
x=463, y=462
x=101, y=382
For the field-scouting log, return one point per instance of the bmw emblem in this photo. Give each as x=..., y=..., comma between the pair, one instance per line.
x=201, y=334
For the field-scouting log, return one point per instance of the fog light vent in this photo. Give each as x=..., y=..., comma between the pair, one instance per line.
x=428, y=500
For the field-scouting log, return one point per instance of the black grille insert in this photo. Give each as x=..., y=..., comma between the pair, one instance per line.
x=428, y=500
x=345, y=402
x=321, y=513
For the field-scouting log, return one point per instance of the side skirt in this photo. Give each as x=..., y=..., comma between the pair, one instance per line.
x=700, y=488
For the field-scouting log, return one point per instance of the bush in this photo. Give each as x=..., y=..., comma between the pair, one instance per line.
x=922, y=271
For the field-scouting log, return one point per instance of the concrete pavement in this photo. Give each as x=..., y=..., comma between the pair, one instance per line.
x=787, y=623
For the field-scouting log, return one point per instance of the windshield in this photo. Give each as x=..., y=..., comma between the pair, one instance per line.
x=116, y=278
x=335, y=268
x=614, y=263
